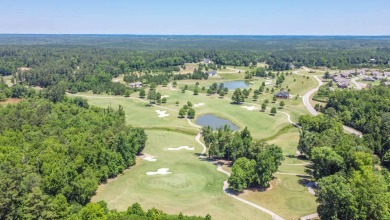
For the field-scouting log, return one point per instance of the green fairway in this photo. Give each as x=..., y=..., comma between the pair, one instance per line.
x=193, y=187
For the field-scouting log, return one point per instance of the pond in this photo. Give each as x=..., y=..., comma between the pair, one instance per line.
x=215, y=122
x=238, y=84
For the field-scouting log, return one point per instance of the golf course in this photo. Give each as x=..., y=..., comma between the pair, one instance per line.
x=170, y=174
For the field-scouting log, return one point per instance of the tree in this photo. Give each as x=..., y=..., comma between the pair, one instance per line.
x=326, y=75
x=273, y=110
x=136, y=209
x=153, y=85
x=196, y=91
x=255, y=97
x=243, y=174
x=92, y=211
x=191, y=113
x=335, y=199
x=177, y=103
x=237, y=96
x=221, y=94
x=142, y=93
x=164, y=83
x=164, y=100
x=127, y=93
x=245, y=93
x=281, y=104
x=182, y=112
x=2, y=97
x=274, y=99
x=152, y=96
x=263, y=106
x=189, y=104
x=174, y=83
x=326, y=162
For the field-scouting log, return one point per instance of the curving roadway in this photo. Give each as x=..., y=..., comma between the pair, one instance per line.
x=309, y=107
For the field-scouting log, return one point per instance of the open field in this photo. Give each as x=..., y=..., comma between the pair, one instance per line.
x=193, y=187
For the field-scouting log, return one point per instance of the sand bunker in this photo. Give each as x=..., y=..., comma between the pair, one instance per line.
x=198, y=105
x=165, y=96
x=162, y=114
x=249, y=108
x=182, y=147
x=161, y=171
x=149, y=158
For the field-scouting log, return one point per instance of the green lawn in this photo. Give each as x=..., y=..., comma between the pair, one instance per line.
x=194, y=187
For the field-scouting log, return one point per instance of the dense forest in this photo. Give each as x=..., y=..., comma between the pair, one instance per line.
x=89, y=62
x=367, y=111
x=351, y=184
x=54, y=155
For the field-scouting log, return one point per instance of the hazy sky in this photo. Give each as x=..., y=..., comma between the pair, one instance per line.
x=246, y=17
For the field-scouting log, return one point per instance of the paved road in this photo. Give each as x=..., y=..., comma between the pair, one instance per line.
x=309, y=107
x=307, y=95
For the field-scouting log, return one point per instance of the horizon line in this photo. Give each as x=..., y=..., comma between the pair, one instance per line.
x=298, y=35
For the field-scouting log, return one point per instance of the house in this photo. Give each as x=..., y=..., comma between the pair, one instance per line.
x=368, y=78
x=206, y=61
x=346, y=74
x=135, y=85
x=343, y=84
x=386, y=83
x=212, y=72
x=386, y=74
x=341, y=80
x=378, y=77
x=282, y=95
x=362, y=72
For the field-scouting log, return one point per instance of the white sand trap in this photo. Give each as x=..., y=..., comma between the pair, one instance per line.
x=162, y=114
x=149, y=158
x=268, y=82
x=249, y=108
x=198, y=105
x=165, y=96
x=181, y=147
x=161, y=171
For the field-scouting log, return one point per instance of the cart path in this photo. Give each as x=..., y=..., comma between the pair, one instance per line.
x=227, y=192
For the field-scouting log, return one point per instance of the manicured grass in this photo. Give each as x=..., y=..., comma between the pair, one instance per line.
x=194, y=187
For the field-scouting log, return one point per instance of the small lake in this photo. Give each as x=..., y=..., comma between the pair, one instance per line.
x=215, y=122
x=238, y=84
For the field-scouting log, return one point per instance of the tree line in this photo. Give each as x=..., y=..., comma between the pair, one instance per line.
x=350, y=184
x=53, y=155
x=367, y=111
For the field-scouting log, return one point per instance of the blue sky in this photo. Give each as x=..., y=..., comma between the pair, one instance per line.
x=243, y=17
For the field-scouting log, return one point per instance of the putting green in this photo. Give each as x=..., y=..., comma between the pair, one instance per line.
x=300, y=203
